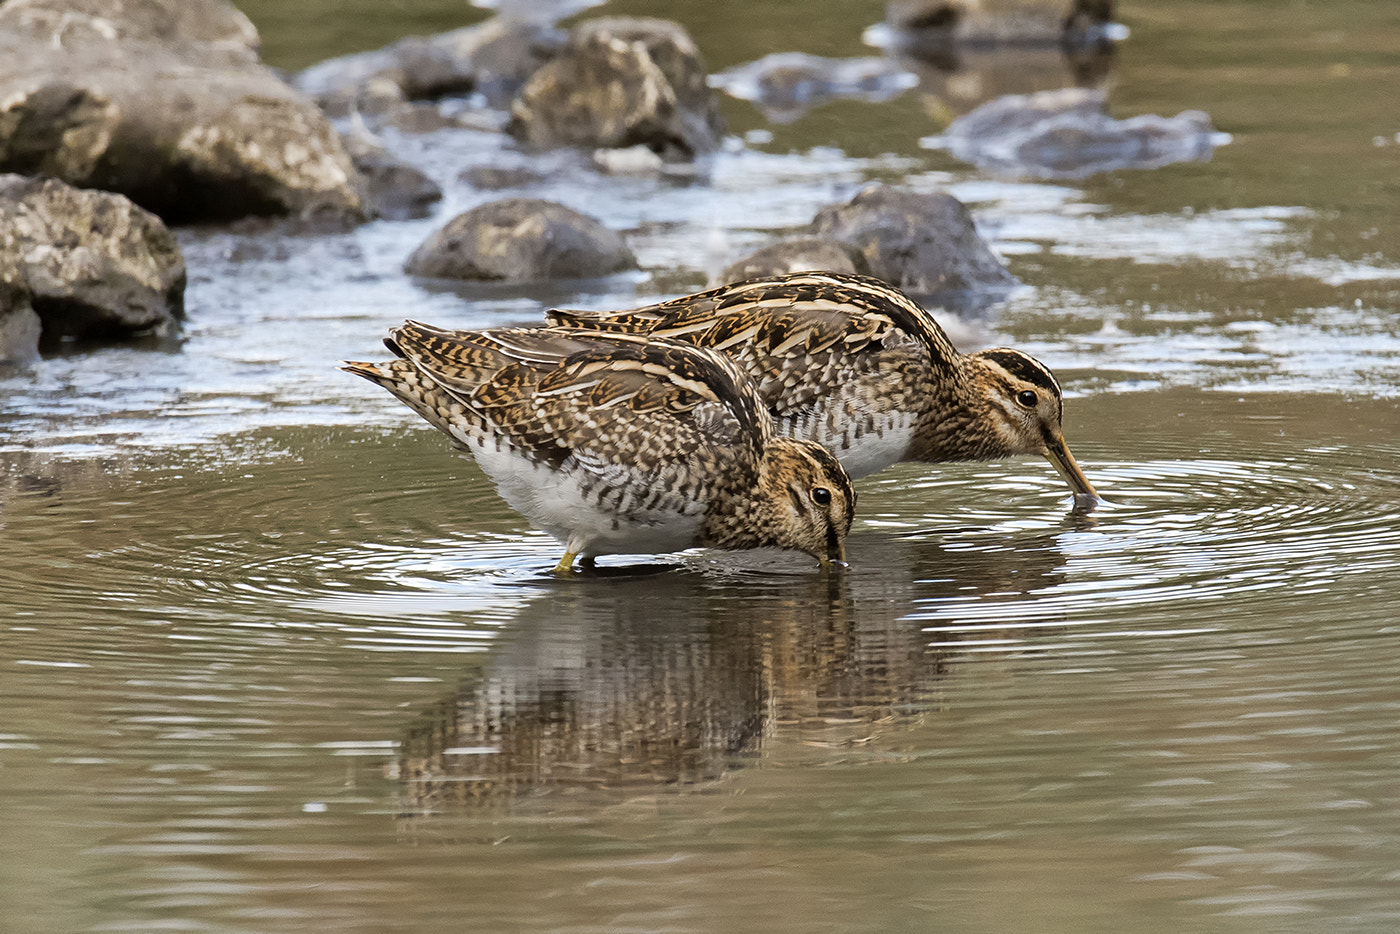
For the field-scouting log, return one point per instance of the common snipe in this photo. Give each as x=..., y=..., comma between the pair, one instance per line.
x=621, y=443
x=860, y=367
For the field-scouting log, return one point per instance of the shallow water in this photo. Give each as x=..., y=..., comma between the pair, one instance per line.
x=274, y=659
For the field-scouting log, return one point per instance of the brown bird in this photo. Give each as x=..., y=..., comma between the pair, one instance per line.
x=857, y=365
x=620, y=443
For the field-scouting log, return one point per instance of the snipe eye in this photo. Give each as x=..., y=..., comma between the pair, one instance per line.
x=821, y=496
x=1027, y=398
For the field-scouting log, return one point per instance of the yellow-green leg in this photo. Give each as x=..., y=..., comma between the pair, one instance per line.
x=566, y=563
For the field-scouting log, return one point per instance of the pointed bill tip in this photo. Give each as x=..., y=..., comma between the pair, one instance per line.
x=834, y=557
x=1085, y=496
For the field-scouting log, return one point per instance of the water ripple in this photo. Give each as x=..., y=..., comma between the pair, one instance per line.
x=1192, y=546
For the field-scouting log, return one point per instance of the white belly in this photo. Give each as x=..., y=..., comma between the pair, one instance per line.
x=861, y=455
x=873, y=452
x=555, y=502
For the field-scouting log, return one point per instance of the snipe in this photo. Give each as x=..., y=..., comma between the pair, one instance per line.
x=621, y=443
x=855, y=364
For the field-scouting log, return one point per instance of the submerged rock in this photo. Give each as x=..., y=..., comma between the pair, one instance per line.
x=163, y=101
x=493, y=58
x=785, y=85
x=1068, y=134
x=393, y=189
x=923, y=243
x=495, y=178
x=85, y=264
x=521, y=240
x=795, y=254
x=621, y=82
x=19, y=325
x=934, y=29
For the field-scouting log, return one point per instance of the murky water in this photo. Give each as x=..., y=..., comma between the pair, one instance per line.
x=273, y=659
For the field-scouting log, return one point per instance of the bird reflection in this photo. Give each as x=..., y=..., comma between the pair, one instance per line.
x=633, y=680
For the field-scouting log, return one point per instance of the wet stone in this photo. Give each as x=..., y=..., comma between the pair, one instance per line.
x=85, y=264
x=621, y=82
x=911, y=24
x=88, y=97
x=923, y=243
x=785, y=85
x=522, y=240
x=493, y=58
x=394, y=189
x=19, y=326
x=493, y=178
x=795, y=254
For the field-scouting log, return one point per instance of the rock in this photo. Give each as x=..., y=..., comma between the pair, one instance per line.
x=19, y=326
x=492, y=178
x=785, y=85
x=87, y=264
x=163, y=101
x=195, y=27
x=394, y=189
x=937, y=28
x=493, y=58
x=521, y=240
x=922, y=243
x=795, y=254
x=621, y=82
x=1067, y=134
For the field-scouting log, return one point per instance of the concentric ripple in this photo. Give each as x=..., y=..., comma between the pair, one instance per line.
x=1196, y=546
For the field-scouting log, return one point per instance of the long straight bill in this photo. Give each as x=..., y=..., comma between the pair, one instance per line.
x=1085, y=496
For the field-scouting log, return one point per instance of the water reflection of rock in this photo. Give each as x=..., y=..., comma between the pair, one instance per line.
x=638, y=680
x=1068, y=134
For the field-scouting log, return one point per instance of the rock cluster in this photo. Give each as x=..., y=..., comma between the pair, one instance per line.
x=163, y=101
x=621, y=82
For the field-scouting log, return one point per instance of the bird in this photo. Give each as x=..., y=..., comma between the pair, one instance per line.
x=619, y=443
x=853, y=363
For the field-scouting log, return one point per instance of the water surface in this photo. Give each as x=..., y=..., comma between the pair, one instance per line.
x=275, y=659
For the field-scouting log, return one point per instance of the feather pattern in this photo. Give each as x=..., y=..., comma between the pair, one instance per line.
x=613, y=442
x=860, y=367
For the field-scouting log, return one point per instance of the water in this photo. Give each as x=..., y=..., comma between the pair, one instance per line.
x=274, y=659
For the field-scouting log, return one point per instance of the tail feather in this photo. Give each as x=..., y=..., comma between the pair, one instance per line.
x=438, y=406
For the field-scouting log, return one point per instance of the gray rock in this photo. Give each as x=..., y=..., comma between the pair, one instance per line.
x=19, y=326
x=621, y=82
x=493, y=58
x=87, y=264
x=493, y=178
x=521, y=240
x=795, y=254
x=931, y=27
x=163, y=101
x=785, y=85
x=393, y=189
x=1068, y=134
x=922, y=243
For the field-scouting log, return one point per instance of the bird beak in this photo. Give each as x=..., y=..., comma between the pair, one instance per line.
x=835, y=555
x=1057, y=453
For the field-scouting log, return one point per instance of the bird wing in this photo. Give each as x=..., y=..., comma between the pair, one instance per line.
x=799, y=337
x=608, y=401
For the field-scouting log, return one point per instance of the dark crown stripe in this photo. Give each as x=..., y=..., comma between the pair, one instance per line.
x=1024, y=367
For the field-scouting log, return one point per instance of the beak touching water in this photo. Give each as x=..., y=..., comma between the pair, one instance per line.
x=1057, y=453
x=835, y=556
